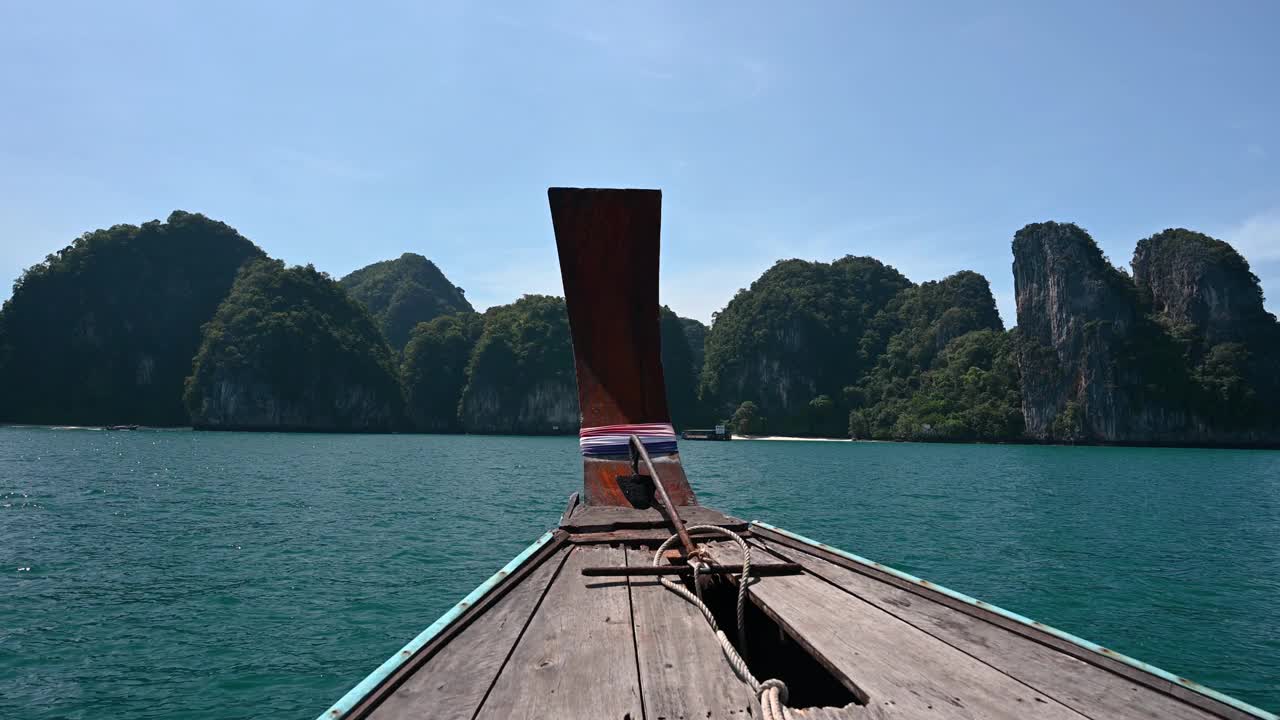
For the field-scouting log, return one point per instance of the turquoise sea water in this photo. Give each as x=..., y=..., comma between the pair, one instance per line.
x=172, y=574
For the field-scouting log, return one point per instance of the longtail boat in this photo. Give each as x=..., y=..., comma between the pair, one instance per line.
x=644, y=604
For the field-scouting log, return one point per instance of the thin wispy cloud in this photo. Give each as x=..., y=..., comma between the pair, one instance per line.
x=1007, y=306
x=759, y=74
x=294, y=162
x=1257, y=237
x=701, y=292
x=498, y=281
x=695, y=75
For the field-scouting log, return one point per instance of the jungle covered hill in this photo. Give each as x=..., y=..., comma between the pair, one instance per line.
x=187, y=322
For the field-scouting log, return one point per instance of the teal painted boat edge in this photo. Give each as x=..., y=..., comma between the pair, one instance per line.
x=1091, y=646
x=375, y=678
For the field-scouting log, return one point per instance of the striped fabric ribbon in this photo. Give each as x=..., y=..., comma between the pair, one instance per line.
x=615, y=439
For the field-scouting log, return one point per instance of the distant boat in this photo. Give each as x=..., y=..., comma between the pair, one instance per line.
x=606, y=616
x=121, y=427
x=719, y=432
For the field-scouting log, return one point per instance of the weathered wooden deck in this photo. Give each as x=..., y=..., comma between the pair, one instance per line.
x=551, y=643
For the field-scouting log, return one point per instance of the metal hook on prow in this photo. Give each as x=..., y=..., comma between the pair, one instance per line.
x=638, y=453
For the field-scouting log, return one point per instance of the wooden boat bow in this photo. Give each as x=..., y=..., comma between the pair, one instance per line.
x=585, y=624
x=609, y=243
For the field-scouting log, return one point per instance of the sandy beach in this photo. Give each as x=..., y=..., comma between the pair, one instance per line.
x=789, y=438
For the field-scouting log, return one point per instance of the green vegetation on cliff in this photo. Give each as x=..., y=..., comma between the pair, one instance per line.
x=695, y=333
x=434, y=370
x=853, y=346
x=102, y=332
x=520, y=378
x=288, y=349
x=802, y=330
x=678, y=369
x=403, y=292
x=747, y=420
x=932, y=335
x=970, y=392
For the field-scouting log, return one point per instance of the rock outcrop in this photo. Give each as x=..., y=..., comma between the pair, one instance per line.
x=102, y=332
x=1106, y=359
x=1075, y=311
x=1203, y=291
x=1202, y=285
x=289, y=350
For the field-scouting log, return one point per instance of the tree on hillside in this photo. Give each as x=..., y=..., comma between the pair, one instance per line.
x=404, y=292
x=914, y=329
x=678, y=370
x=747, y=420
x=520, y=378
x=799, y=331
x=823, y=418
x=289, y=349
x=434, y=370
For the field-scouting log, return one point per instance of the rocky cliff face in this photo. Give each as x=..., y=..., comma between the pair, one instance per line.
x=1073, y=307
x=679, y=369
x=1202, y=285
x=289, y=350
x=549, y=407
x=520, y=377
x=243, y=401
x=1204, y=292
x=695, y=334
x=1105, y=359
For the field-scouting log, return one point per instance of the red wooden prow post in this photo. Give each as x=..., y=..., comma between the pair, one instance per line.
x=608, y=241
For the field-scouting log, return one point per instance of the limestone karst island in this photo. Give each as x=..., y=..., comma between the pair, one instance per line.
x=186, y=322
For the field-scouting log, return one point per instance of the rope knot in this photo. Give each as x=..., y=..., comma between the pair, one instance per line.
x=775, y=683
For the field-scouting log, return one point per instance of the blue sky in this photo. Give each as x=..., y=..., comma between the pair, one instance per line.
x=922, y=134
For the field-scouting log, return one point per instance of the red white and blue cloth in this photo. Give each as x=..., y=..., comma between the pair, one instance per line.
x=616, y=439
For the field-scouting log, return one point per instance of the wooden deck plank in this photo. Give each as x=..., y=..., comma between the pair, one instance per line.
x=683, y=672
x=451, y=685
x=1035, y=633
x=631, y=538
x=606, y=518
x=577, y=657
x=1088, y=689
x=899, y=667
